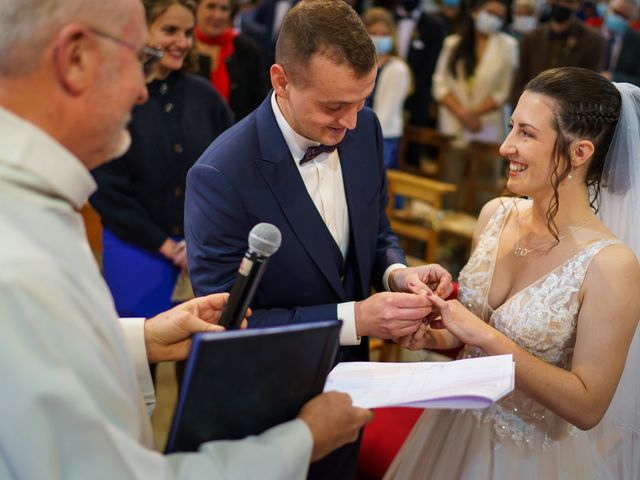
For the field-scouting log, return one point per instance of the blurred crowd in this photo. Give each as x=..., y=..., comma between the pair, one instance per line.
x=469, y=59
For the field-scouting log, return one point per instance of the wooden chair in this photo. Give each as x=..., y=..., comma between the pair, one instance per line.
x=423, y=137
x=484, y=155
x=431, y=192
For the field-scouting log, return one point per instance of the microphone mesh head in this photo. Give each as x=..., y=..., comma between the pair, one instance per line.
x=265, y=239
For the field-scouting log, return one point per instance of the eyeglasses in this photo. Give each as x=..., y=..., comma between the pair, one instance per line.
x=147, y=56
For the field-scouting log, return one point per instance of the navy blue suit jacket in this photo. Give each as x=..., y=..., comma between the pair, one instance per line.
x=247, y=176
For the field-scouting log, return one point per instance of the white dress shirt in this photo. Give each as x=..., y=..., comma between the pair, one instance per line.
x=323, y=179
x=72, y=406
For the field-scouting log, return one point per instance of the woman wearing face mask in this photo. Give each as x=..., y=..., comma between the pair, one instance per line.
x=602, y=8
x=140, y=195
x=472, y=82
x=525, y=19
x=393, y=82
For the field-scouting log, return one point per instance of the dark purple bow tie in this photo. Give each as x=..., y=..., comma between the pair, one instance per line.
x=313, y=152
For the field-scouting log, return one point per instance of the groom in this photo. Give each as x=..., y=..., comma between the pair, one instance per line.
x=309, y=160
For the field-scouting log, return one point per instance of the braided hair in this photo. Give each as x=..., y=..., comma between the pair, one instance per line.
x=587, y=107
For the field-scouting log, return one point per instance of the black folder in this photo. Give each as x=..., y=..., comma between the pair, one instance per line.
x=243, y=382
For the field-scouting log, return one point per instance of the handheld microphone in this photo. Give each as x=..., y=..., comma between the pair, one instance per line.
x=264, y=241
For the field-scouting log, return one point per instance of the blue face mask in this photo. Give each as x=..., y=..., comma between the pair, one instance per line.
x=383, y=43
x=615, y=23
x=601, y=9
x=451, y=3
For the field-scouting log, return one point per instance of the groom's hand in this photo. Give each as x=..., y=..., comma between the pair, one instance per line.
x=391, y=314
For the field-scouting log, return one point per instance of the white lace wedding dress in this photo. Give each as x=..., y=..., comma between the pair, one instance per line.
x=515, y=438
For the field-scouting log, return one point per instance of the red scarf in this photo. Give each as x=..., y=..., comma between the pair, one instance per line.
x=220, y=76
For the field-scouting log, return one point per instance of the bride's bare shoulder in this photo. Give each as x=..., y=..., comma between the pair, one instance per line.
x=615, y=268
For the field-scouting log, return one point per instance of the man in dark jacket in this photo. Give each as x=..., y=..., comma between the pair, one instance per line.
x=563, y=41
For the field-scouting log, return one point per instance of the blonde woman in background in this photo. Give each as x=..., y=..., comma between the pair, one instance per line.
x=393, y=83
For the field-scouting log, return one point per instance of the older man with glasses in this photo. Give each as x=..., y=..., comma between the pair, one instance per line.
x=147, y=56
x=72, y=402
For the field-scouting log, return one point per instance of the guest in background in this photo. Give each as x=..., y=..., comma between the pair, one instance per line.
x=393, y=82
x=473, y=76
x=563, y=41
x=622, y=55
x=525, y=18
x=597, y=20
x=472, y=83
x=453, y=14
x=589, y=9
x=140, y=195
x=419, y=40
x=231, y=60
x=270, y=15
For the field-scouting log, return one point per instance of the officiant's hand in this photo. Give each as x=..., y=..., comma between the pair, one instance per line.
x=167, y=336
x=422, y=279
x=461, y=322
x=333, y=422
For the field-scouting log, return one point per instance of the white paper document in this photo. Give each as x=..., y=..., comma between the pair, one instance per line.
x=468, y=383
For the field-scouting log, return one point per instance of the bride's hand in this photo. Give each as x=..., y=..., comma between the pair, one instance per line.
x=460, y=322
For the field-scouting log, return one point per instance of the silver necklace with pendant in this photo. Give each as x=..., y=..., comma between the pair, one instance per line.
x=519, y=251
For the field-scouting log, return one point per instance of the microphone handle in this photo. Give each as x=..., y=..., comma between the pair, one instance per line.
x=244, y=288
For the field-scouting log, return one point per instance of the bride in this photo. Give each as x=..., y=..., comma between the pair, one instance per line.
x=549, y=283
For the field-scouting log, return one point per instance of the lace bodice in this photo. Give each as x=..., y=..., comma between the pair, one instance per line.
x=541, y=318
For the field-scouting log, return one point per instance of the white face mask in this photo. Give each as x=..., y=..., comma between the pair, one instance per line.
x=524, y=23
x=488, y=23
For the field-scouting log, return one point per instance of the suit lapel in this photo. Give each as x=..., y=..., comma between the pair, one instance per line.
x=282, y=176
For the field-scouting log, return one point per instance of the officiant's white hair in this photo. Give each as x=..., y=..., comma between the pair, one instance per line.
x=27, y=26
